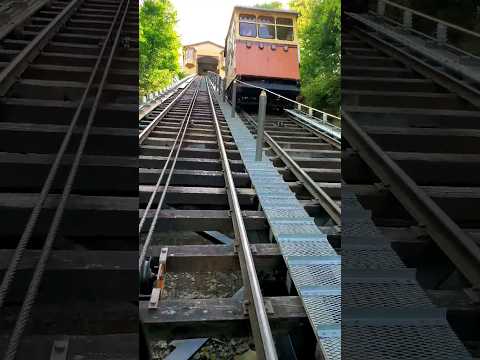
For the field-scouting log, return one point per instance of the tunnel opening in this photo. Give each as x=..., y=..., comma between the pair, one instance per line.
x=207, y=63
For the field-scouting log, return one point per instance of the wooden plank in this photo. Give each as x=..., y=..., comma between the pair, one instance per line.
x=195, y=195
x=99, y=215
x=157, y=162
x=426, y=140
x=430, y=100
x=27, y=172
x=194, y=177
x=457, y=202
x=424, y=168
x=107, y=275
x=92, y=347
x=203, y=220
x=61, y=112
x=188, y=152
x=201, y=258
x=46, y=138
x=186, y=318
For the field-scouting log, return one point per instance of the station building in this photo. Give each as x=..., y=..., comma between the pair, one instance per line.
x=204, y=56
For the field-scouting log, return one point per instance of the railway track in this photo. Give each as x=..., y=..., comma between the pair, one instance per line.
x=190, y=146
x=68, y=109
x=197, y=207
x=410, y=158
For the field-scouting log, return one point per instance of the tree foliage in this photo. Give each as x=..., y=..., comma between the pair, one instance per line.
x=159, y=45
x=320, y=41
x=274, y=5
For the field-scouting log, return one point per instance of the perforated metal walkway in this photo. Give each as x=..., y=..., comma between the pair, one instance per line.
x=313, y=264
x=386, y=314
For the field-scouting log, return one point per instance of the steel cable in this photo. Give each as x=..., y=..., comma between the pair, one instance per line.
x=153, y=224
x=157, y=185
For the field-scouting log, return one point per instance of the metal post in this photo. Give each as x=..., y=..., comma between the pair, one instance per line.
x=442, y=36
x=262, y=107
x=325, y=117
x=234, y=97
x=381, y=8
x=407, y=19
x=224, y=88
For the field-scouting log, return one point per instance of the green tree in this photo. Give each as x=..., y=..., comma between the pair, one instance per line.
x=320, y=42
x=159, y=45
x=270, y=5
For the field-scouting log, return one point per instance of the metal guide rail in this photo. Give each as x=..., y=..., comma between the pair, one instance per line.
x=411, y=147
x=58, y=113
x=313, y=264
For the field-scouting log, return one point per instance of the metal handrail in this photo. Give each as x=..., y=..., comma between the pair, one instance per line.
x=442, y=26
x=300, y=105
x=149, y=128
x=431, y=18
x=259, y=319
x=165, y=91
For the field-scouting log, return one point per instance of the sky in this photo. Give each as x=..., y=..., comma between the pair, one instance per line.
x=202, y=20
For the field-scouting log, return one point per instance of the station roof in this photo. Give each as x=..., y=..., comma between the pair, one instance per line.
x=279, y=11
x=203, y=42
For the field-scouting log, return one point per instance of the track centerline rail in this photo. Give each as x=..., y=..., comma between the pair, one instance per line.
x=259, y=320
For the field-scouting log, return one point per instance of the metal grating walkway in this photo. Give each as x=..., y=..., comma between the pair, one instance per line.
x=382, y=300
x=313, y=264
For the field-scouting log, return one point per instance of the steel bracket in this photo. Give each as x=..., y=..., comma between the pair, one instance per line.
x=59, y=350
x=159, y=285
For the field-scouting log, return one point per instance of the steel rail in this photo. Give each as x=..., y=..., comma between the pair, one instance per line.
x=153, y=224
x=32, y=291
x=460, y=248
x=329, y=205
x=160, y=178
x=14, y=69
x=149, y=128
x=264, y=343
